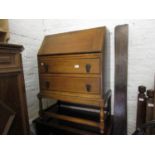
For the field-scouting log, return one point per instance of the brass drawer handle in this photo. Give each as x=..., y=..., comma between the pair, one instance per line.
x=88, y=87
x=45, y=66
x=88, y=67
x=47, y=84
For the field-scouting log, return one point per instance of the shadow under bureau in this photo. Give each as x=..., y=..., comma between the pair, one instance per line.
x=73, y=68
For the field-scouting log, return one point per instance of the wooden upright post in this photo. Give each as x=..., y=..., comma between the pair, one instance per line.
x=141, y=107
x=150, y=105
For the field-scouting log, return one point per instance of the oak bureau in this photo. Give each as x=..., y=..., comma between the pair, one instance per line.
x=72, y=68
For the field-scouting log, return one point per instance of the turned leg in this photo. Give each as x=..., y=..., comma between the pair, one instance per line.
x=40, y=104
x=102, y=118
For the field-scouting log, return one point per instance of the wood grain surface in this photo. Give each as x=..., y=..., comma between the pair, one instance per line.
x=121, y=70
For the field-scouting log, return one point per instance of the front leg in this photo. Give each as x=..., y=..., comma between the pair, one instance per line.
x=102, y=117
x=40, y=104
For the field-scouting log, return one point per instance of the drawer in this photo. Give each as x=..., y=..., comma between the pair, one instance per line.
x=89, y=85
x=9, y=60
x=70, y=64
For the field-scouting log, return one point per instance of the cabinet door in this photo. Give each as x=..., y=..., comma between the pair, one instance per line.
x=12, y=93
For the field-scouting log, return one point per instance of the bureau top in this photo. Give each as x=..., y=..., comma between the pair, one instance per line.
x=83, y=41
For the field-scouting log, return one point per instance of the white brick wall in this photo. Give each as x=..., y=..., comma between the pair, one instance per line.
x=30, y=33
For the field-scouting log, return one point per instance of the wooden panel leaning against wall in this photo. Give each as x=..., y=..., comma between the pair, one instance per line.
x=12, y=88
x=121, y=71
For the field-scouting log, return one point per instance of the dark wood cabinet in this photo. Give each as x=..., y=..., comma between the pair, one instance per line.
x=12, y=88
x=71, y=69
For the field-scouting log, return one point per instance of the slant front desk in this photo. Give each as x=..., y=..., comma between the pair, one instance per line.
x=74, y=68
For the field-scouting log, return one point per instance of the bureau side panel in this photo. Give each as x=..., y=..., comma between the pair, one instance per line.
x=106, y=64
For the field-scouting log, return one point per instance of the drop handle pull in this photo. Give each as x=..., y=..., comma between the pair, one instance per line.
x=88, y=67
x=47, y=84
x=45, y=66
x=88, y=87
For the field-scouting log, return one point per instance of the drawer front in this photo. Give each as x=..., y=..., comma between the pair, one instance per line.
x=9, y=60
x=66, y=64
x=91, y=85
